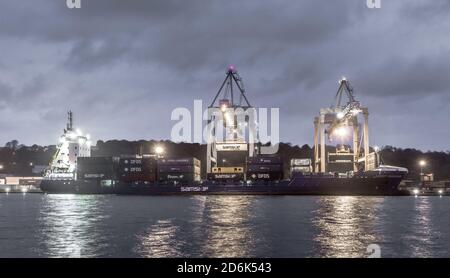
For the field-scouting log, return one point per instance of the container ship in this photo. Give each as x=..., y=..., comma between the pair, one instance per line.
x=148, y=175
x=235, y=165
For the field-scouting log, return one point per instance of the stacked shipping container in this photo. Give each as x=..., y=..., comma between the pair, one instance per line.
x=100, y=168
x=264, y=167
x=179, y=170
x=137, y=169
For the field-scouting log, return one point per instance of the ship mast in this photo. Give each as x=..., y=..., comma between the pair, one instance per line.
x=70, y=121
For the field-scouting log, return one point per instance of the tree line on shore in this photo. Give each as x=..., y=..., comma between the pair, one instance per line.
x=17, y=159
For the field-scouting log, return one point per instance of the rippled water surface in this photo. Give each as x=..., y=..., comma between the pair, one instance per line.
x=35, y=225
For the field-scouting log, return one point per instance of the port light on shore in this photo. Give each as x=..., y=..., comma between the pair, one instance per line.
x=1, y=166
x=422, y=163
x=416, y=192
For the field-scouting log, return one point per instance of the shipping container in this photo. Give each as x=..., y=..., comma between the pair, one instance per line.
x=178, y=169
x=264, y=176
x=303, y=169
x=261, y=168
x=149, y=177
x=147, y=161
x=30, y=181
x=300, y=162
x=95, y=168
x=94, y=160
x=178, y=177
x=227, y=169
x=225, y=176
x=22, y=180
x=136, y=169
x=264, y=159
x=179, y=161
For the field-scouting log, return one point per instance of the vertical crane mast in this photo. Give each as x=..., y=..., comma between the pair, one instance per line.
x=232, y=110
x=335, y=121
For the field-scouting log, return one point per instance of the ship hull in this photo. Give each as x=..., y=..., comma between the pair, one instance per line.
x=369, y=186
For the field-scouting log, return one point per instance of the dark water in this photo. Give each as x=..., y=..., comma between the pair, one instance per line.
x=35, y=225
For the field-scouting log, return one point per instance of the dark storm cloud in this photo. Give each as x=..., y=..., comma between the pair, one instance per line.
x=124, y=65
x=412, y=78
x=86, y=56
x=6, y=94
x=182, y=34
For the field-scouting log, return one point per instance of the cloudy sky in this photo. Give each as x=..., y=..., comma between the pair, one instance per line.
x=123, y=66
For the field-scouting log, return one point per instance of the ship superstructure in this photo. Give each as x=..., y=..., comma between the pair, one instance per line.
x=72, y=144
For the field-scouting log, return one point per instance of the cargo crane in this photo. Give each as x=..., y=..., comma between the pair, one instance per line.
x=230, y=148
x=335, y=121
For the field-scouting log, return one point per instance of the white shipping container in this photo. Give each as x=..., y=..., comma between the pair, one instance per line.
x=303, y=169
x=300, y=162
x=16, y=180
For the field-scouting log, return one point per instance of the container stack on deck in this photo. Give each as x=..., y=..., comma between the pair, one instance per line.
x=264, y=168
x=226, y=174
x=96, y=168
x=137, y=169
x=179, y=170
x=300, y=166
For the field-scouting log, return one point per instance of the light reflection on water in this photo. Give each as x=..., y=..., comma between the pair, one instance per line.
x=69, y=225
x=422, y=240
x=159, y=241
x=226, y=229
x=346, y=225
x=222, y=226
x=215, y=227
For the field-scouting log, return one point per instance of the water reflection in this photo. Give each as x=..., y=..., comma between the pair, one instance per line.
x=161, y=240
x=70, y=226
x=421, y=238
x=345, y=226
x=210, y=226
x=227, y=232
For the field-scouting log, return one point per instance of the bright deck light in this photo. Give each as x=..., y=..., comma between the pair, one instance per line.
x=159, y=150
x=341, y=131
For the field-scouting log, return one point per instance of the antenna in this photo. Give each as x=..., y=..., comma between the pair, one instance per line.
x=70, y=121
